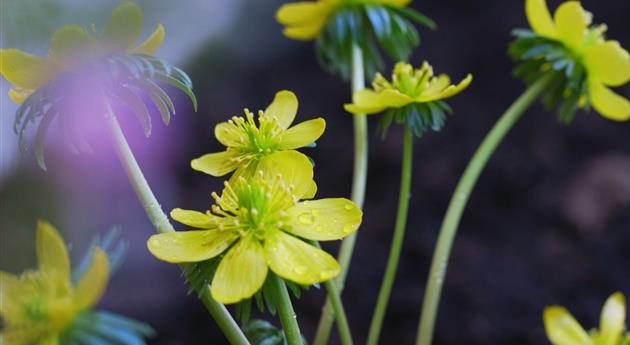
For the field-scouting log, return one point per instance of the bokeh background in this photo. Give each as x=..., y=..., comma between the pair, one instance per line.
x=548, y=222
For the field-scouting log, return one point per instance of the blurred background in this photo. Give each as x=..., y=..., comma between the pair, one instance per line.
x=547, y=224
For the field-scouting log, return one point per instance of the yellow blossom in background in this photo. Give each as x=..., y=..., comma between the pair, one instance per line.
x=408, y=86
x=563, y=329
x=259, y=224
x=38, y=306
x=305, y=20
x=72, y=46
x=606, y=62
x=249, y=143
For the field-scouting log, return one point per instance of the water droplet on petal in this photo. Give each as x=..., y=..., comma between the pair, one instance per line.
x=349, y=206
x=348, y=228
x=306, y=218
x=299, y=270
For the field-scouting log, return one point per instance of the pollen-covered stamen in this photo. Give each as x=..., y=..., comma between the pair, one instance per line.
x=255, y=138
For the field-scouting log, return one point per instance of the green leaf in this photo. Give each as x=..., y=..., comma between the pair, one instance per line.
x=416, y=16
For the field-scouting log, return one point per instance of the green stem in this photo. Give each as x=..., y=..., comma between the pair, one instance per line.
x=161, y=223
x=459, y=201
x=359, y=179
x=285, y=311
x=397, y=241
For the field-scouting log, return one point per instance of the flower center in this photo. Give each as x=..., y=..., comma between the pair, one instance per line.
x=258, y=140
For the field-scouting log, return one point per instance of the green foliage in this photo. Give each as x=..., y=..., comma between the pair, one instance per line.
x=370, y=27
x=538, y=56
x=105, y=328
x=131, y=81
x=260, y=332
x=420, y=117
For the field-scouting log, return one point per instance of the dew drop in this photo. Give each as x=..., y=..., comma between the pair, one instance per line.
x=306, y=218
x=349, y=206
x=299, y=270
x=348, y=228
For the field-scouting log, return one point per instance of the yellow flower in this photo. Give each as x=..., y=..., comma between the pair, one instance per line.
x=606, y=62
x=408, y=86
x=305, y=20
x=248, y=143
x=259, y=224
x=37, y=306
x=72, y=46
x=563, y=329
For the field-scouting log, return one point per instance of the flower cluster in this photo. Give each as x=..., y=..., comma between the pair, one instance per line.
x=259, y=221
x=85, y=72
x=52, y=304
x=585, y=63
x=414, y=97
x=337, y=25
x=563, y=329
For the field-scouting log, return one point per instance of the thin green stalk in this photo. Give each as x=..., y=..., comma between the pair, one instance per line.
x=397, y=241
x=161, y=223
x=285, y=311
x=359, y=179
x=458, y=203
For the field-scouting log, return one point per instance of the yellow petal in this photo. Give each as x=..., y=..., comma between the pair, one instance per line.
x=52, y=254
x=283, y=107
x=150, y=45
x=450, y=91
x=216, y=164
x=71, y=44
x=302, y=134
x=609, y=104
x=294, y=168
x=572, y=23
x=241, y=273
x=396, y=3
x=539, y=18
x=295, y=260
x=436, y=85
x=24, y=70
x=369, y=102
x=190, y=246
x=305, y=32
x=563, y=329
x=609, y=63
x=303, y=12
x=324, y=219
x=19, y=95
x=613, y=319
x=193, y=218
x=311, y=190
x=124, y=26
x=92, y=284
x=228, y=135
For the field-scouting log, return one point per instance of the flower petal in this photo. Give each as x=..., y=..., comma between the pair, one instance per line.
x=295, y=168
x=19, y=95
x=609, y=63
x=324, y=219
x=92, y=284
x=216, y=164
x=295, y=260
x=190, y=246
x=283, y=107
x=539, y=18
x=71, y=44
x=611, y=105
x=124, y=26
x=437, y=85
x=228, y=135
x=193, y=218
x=52, y=254
x=369, y=102
x=563, y=329
x=24, y=70
x=302, y=134
x=152, y=43
x=572, y=23
x=396, y=3
x=311, y=191
x=450, y=91
x=303, y=12
x=241, y=273
x=613, y=319
x=305, y=32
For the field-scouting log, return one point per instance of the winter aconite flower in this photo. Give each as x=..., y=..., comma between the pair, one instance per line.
x=563, y=329
x=338, y=24
x=259, y=224
x=413, y=97
x=586, y=62
x=85, y=73
x=38, y=306
x=249, y=143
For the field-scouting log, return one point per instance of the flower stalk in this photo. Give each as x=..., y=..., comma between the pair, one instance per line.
x=359, y=180
x=161, y=223
x=460, y=199
x=288, y=318
x=397, y=242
